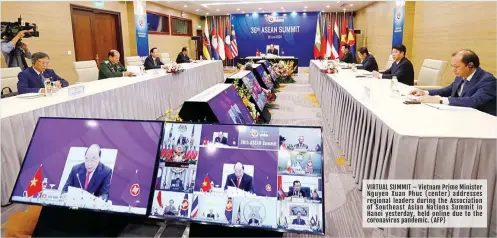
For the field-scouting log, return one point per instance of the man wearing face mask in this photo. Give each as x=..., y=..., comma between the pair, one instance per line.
x=111, y=67
x=91, y=175
x=32, y=79
x=472, y=87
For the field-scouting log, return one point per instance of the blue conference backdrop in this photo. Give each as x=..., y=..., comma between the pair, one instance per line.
x=294, y=33
x=398, y=23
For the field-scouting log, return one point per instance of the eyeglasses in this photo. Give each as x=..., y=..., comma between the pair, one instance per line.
x=45, y=63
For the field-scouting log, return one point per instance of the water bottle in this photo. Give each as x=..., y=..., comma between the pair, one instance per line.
x=48, y=87
x=201, y=58
x=393, y=86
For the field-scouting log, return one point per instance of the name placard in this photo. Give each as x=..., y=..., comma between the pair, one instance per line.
x=76, y=90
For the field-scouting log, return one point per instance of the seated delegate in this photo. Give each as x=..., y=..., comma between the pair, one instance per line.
x=32, y=79
x=272, y=50
x=111, y=67
x=401, y=68
x=347, y=55
x=153, y=60
x=183, y=56
x=472, y=87
x=368, y=61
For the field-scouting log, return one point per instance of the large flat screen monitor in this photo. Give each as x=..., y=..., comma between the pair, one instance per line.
x=268, y=177
x=229, y=108
x=103, y=165
x=251, y=82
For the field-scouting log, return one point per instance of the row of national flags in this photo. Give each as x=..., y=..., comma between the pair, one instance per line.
x=329, y=42
x=219, y=42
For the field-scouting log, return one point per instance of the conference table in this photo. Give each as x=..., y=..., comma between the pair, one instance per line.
x=383, y=138
x=143, y=97
x=273, y=60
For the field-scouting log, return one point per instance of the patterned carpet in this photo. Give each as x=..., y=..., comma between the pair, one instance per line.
x=343, y=206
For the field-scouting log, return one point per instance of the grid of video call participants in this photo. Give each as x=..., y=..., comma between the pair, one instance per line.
x=261, y=176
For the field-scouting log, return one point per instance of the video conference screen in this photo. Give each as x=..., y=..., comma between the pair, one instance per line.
x=104, y=165
x=229, y=108
x=251, y=82
x=241, y=175
x=269, y=68
x=266, y=78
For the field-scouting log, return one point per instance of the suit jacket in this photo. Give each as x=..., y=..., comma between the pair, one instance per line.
x=182, y=58
x=253, y=220
x=211, y=215
x=403, y=70
x=177, y=185
x=223, y=140
x=149, y=63
x=348, y=58
x=170, y=210
x=300, y=146
x=478, y=93
x=182, y=140
x=297, y=221
x=274, y=52
x=99, y=182
x=245, y=183
x=302, y=193
x=31, y=82
x=369, y=64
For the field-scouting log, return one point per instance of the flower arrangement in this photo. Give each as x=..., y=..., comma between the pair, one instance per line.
x=172, y=117
x=174, y=68
x=245, y=94
x=329, y=68
x=284, y=71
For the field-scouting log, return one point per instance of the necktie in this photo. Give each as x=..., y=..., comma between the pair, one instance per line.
x=155, y=62
x=459, y=91
x=238, y=182
x=42, y=78
x=87, y=179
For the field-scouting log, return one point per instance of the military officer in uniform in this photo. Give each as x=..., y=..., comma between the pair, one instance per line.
x=111, y=67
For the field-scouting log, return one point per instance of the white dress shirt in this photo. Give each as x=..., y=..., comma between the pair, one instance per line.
x=445, y=100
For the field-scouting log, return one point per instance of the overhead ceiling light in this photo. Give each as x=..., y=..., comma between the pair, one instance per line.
x=274, y=13
x=322, y=10
x=238, y=9
x=305, y=10
x=254, y=14
x=243, y=11
x=351, y=5
x=185, y=6
x=344, y=9
x=305, y=7
x=217, y=10
x=260, y=8
x=206, y=13
x=304, y=13
x=282, y=7
x=263, y=11
x=338, y=2
x=284, y=14
x=197, y=10
x=328, y=6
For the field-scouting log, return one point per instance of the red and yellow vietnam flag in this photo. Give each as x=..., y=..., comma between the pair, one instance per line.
x=343, y=39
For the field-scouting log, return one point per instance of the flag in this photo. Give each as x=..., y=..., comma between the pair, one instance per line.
x=192, y=139
x=313, y=222
x=239, y=216
x=289, y=165
x=159, y=199
x=317, y=41
x=157, y=180
x=229, y=210
x=323, y=41
x=184, y=206
x=206, y=184
x=227, y=42
x=343, y=39
x=35, y=184
x=280, y=187
x=220, y=42
x=351, y=37
x=234, y=47
x=336, y=40
x=195, y=207
x=215, y=48
x=207, y=44
x=131, y=194
x=329, y=39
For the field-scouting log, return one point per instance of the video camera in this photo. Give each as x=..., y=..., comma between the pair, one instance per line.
x=10, y=29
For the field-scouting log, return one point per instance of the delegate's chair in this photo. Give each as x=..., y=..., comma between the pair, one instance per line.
x=87, y=71
x=9, y=81
x=165, y=58
x=430, y=74
x=133, y=61
x=389, y=63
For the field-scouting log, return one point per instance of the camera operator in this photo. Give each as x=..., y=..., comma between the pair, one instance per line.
x=15, y=51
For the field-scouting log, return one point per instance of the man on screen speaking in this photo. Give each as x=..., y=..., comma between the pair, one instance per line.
x=239, y=179
x=91, y=175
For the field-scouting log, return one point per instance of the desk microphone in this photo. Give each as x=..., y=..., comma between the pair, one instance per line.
x=81, y=186
x=233, y=183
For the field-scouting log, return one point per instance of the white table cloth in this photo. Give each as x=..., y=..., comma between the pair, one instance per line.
x=144, y=97
x=382, y=138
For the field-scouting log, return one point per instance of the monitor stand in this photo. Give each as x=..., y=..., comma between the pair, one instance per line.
x=60, y=221
x=201, y=230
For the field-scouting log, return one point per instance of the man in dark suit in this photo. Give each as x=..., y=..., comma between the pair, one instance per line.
x=91, y=175
x=295, y=191
x=298, y=220
x=368, y=61
x=183, y=56
x=153, y=60
x=347, y=55
x=111, y=67
x=32, y=79
x=472, y=87
x=211, y=214
x=171, y=209
x=301, y=144
x=253, y=221
x=177, y=184
x=272, y=50
x=239, y=179
x=221, y=138
x=182, y=140
x=401, y=68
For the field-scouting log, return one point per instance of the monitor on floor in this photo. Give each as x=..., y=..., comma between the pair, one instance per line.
x=103, y=165
x=267, y=177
